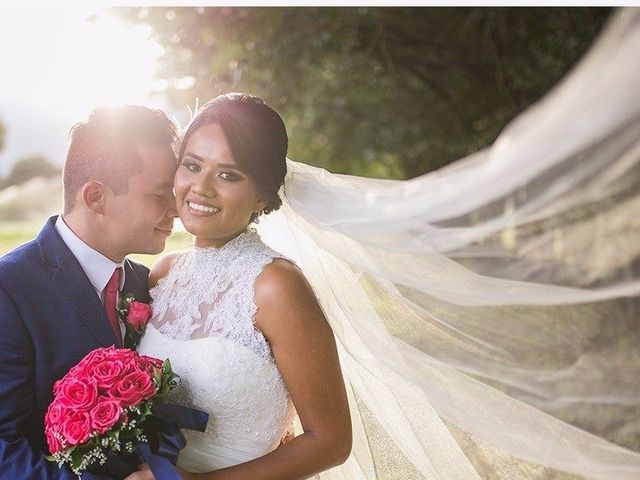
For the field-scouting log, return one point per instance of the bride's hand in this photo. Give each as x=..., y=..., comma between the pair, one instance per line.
x=186, y=475
x=144, y=473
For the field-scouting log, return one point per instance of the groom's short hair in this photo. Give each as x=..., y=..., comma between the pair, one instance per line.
x=103, y=148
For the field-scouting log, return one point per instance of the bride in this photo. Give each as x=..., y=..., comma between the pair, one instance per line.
x=485, y=314
x=238, y=321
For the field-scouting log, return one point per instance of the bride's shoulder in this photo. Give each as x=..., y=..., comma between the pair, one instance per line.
x=278, y=276
x=161, y=268
x=287, y=305
x=281, y=282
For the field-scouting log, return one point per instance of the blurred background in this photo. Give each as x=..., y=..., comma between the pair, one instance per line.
x=382, y=92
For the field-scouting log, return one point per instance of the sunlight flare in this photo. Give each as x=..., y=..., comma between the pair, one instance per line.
x=68, y=60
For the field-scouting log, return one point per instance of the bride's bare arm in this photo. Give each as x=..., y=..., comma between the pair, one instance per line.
x=160, y=268
x=305, y=351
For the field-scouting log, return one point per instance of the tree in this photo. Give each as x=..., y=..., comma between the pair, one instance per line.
x=391, y=92
x=30, y=167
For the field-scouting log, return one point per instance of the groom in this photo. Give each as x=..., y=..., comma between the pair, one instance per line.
x=58, y=292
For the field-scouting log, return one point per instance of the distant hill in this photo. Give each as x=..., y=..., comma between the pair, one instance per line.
x=32, y=201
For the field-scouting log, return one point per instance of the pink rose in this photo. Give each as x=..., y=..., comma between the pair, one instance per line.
x=55, y=414
x=134, y=389
x=108, y=372
x=53, y=441
x=105, y=414
x=96, y=355
x=150, y=364
x=138, y=316
x=57, y=386
x=129, y=358
x=78, y=394
x=77, y=428
x=83, y=367
x=125, y=355
x=78, y=372
x=91, y=358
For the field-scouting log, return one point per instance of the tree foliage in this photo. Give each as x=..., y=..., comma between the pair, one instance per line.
x=391, y=92
x=28, y=168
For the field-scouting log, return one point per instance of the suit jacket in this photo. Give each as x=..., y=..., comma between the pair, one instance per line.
x=50, y=317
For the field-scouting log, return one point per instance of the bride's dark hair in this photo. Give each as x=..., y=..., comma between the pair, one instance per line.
x=256, y=136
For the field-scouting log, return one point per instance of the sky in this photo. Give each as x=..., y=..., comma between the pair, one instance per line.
x=60, y=62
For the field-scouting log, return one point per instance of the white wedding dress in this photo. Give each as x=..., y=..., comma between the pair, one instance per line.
x=202, y=321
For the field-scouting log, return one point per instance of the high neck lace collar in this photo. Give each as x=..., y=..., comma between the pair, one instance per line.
x=236, y=244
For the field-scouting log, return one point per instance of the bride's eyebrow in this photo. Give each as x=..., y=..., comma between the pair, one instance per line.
x=229, y=166
x=194, y=156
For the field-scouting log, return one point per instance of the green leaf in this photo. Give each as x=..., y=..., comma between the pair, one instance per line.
x=76, y=460
x=166, y=367
x=114, y=434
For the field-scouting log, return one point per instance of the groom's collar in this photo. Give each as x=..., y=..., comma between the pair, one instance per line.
x=57, y=242
x=97, y=267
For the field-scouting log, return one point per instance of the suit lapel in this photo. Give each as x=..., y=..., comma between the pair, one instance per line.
x=135, y=282
x=69, y=276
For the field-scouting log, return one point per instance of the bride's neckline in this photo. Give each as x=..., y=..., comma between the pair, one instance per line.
x=249, y=236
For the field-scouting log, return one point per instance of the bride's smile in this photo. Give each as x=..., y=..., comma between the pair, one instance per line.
x=215, y=199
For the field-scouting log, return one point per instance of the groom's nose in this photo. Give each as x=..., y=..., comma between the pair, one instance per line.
x=172, y=208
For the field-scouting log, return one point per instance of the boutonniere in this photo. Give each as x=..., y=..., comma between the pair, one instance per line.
x=135, y=316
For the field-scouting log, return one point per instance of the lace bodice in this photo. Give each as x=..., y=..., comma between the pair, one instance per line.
x=203, y=321
x=209, y=292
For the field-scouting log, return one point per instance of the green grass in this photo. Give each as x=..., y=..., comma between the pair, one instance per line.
x=14, y=234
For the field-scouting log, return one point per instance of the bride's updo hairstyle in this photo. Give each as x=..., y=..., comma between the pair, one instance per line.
x=256, y=136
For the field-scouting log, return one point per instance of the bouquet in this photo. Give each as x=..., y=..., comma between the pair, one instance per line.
x=101, y=404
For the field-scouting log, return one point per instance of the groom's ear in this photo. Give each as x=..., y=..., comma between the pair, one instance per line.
x=93, y=196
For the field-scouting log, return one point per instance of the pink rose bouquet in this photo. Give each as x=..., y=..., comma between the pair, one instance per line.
x=101, y=405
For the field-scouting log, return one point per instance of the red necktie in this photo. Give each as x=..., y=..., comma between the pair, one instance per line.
x=110, y=300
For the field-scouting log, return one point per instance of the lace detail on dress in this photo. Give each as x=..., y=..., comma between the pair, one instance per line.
x=203, y=320
x=249, y=407
x=210, y=292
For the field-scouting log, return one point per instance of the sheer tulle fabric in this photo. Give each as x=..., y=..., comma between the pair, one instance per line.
x=486, y=313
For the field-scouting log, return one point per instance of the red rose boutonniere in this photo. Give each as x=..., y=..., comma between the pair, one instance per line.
x=135, y=316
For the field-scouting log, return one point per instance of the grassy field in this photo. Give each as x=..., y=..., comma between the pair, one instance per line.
x=13, y=234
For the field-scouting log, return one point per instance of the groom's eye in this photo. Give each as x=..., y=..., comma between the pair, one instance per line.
x=162, y=195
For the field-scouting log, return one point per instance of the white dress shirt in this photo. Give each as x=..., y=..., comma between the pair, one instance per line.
x=97, y=267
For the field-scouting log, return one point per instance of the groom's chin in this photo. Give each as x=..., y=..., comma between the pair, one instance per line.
x=156, y=245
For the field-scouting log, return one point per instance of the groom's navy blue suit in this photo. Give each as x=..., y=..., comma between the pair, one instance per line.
x=50, y=317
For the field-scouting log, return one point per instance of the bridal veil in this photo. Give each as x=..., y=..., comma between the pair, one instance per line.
x=487, y=313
